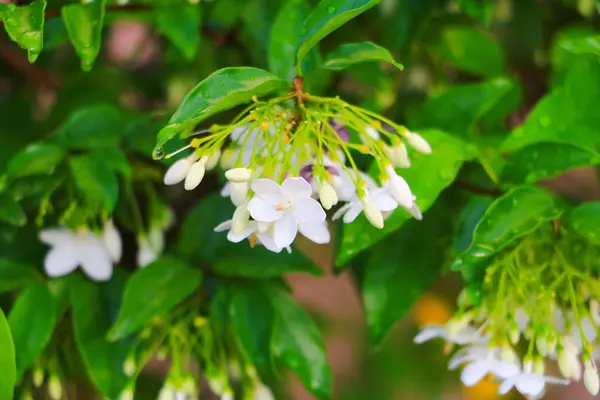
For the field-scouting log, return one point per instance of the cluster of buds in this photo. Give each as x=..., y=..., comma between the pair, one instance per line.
x=540, y=292
x=287, y=163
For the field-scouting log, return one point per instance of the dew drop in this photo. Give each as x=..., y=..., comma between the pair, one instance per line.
x=331, y=10
x=158, y=153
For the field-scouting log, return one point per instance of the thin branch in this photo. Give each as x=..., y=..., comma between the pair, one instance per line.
x=478, y=189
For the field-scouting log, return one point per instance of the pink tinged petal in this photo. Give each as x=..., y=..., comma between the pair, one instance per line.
x=474, y=372
x=55, y=237
x=224, y=226
x=262, y=211
x=506, y=386
x=285, y=230
x=309, y=211
x=268, y=190
x=178, y=171
x=60, y=261
x=353, y=212
x=318, y=233
x=112, y=241
x=268, y=242
x=430, y=332
x=296, y=188
x=532, y=385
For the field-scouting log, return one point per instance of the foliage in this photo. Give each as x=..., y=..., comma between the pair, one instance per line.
x=99, y=98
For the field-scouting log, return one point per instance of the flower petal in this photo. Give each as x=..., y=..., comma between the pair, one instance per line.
x=268, y=190
x=353, y=212
x=504, y=370
x=309, y=211
x=430, y=332
x=112, y=241
x=318, y=233
x=296, y=188
x=55, y=237
x=506, y=386
x=530, y=384
x=249, y=229
x=383, y=201
x=95, y=259
x=224, y=226
x=178, y=171
x=285, y=230
x=474, y=372
x=60, y=261
x=262, y=211
x=267, y=241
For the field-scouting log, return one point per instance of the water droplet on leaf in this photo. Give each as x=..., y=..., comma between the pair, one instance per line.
x=158, y=153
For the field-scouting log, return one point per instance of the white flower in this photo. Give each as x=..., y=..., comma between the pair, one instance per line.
x=590, y=378
x=529, y=383
x=83, y=249
x=568, y=360
x=259, y=233
x=482, y=361
x=373, y=213
x=179, y=170
x=378, y=198
x=112, y=240
x=417, y=142
x=287, y=206
x=399, y=188
x=457, y=332
x=150, y=247
x=261, y=392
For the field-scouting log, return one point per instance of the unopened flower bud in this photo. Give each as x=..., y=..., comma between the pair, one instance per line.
x=240, y=218
x=372, y=132
x=26, y=395
x=195, y=174
x=539, y=367
x=514, y=335
x=228, y=158
x=127, y=394
x=38, y=377
x=227, y=395
x=373, y=214
x=327, y=195
x=398, y=155
x=590, y=378
x=399, y=188
x=542, y=345
x=418, y=143
x=179, y=170
x=129, y=366
x=55, y=390
x=213, y=159
x=239, y=192
x=238, y=175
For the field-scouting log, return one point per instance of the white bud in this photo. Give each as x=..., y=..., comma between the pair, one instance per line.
x=167, y=392
x=228, y=158
x=399, y=188
x=213, y=159
x=372, y=213
x=195, y=174
x=542, y=345
x=590, y=378
x=227, y=395
x=112, y=241
x=189, y=386
x=129, y=366
x=514, y=335
x=127, y=394
x=38, y=377
x=241, y=215
x=418, y=143
x=261, y=392
x=372, y=132
x=398, y=155
x=238, y=175
x=239, y=192
x=179, y=170
x=539, y=367
x=55, y=389
x=327, y=195
x=146, y=253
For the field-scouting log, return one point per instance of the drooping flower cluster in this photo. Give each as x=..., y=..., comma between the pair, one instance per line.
x=534, y=294
x=285, y=165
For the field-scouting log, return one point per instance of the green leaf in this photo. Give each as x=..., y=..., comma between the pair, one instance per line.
x=585, y=221
x=285, y=38
x=353, y=53
x=240, y=261
x=515, y=214
x=180, y=22
x=328, y=16
x=96, y=181
x=251, y=315
x=469, y=49
x=32, y=321
x=400, y=269
x=94, y=127
x=545, y=160
x=468, y=218
x=568, y=114
x=35, y=159
x=199, y=225
x=479, y=10
x=460, y=108
x=440, y=167
x=94, y=307
x=11, y=212
x=14, y=275
x=84, y=23
x=25, y=25
x=8, y=364
x=116, y=159
x=298, y=344
x=153, y=291
x=220, y=91
x=572, y=43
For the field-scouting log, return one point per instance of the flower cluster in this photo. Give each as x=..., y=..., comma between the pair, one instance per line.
x=532, y=294
x=286, y=165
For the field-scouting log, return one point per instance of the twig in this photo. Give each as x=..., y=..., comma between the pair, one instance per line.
x=477, y=189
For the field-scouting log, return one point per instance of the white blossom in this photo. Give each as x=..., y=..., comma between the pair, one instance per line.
x=418, y=143
x=150, y=247
x=179, y=170
x=457, y=332
x=483, y=360
x=529, y=383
